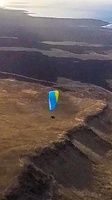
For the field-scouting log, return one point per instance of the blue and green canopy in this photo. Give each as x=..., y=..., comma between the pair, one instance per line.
x=53, y=98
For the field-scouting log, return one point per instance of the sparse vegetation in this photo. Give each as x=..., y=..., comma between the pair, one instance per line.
x=29, y=135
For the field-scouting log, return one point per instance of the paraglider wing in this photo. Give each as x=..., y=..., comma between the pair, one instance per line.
x=53, y=99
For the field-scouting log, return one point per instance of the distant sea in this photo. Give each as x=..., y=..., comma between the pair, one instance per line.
x=63, y=8
x=109, y=26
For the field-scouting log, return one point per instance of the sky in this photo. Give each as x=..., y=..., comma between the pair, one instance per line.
x=99, y=9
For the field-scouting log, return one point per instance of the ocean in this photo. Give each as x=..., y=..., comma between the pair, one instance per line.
x=95, y=9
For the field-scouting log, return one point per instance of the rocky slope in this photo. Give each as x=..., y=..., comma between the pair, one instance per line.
x=68, y=158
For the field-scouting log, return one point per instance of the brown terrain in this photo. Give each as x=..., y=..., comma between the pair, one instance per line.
x=69, y=157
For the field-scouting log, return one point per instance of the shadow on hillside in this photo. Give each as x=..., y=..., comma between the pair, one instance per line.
x=39, y=66
x=70, y=167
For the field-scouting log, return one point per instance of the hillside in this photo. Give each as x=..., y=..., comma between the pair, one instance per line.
x=68, y=157
x=37, y=65
x=48, y=48
x=61, y=158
